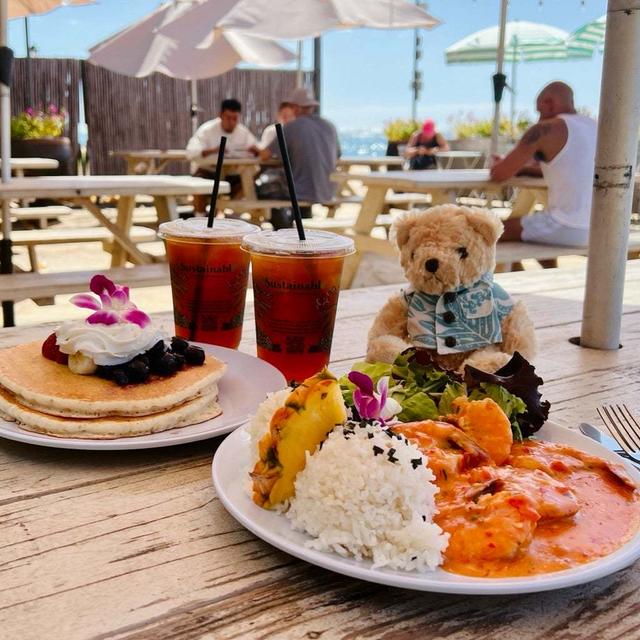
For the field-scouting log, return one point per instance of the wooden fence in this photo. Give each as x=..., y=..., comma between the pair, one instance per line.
x=154, y=112
x=140, y=113
x=38, y=82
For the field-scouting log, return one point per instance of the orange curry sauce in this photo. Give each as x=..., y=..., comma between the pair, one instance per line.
x=544, y=508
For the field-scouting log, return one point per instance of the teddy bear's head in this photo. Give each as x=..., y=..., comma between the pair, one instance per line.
x=445, y=247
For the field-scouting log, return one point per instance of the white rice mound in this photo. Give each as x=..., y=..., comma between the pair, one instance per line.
x=372, y=506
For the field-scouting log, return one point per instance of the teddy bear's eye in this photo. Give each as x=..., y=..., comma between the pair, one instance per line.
x=463, y=252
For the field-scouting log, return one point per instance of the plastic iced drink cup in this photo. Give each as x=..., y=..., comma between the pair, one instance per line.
x=209, y=273
x=296, y=286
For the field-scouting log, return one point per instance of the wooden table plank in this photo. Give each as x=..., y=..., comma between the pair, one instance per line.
x=136, y=544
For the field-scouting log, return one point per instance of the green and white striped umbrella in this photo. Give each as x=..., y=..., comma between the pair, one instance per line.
x=591, y=35
x=524, y=42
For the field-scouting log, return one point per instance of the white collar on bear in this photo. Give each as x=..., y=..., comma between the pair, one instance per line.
x=461, y=320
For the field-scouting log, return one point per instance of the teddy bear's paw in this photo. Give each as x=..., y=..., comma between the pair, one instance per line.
x=489, y=360
x=385, y=348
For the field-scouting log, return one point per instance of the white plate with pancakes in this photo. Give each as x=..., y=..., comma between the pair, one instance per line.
x=233, y=459
x=210, y=401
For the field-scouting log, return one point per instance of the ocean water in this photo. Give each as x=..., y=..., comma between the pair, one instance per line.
x=362, y=143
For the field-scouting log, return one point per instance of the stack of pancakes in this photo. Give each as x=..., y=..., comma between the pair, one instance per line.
x=47, y=397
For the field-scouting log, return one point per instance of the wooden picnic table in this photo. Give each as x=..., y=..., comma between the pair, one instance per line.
x=80, y=189
x=136, y=545
x=20, y=165
x=442, y=185
x=468, y=159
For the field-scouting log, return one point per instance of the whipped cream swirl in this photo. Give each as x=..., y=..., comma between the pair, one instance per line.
x=106, y=345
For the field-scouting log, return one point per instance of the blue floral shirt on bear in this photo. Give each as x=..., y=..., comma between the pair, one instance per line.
x=457, y=321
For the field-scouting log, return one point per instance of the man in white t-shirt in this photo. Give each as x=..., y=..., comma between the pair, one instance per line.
x=561, y=147
x=286, y=113
x=202, y=149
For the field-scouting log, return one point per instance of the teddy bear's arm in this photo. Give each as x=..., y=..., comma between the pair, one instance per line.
x=518, y=333
x=388, y=335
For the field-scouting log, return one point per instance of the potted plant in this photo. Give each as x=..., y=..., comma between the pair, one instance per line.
x=39, y=134
x=472, y=134
x=398, y=133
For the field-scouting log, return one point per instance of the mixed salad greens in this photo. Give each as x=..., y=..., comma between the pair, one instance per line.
x=425, y=391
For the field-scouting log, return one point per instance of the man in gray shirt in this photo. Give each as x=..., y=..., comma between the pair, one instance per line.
x=313, y=148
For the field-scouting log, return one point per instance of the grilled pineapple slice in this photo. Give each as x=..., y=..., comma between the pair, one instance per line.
x=310, y=413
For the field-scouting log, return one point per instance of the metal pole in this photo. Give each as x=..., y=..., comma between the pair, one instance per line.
x=27, y=41
x=299, y=73
x=416, y=84
x=5, y=171
x=195, y=108
x=495, y=131
x=618, y=123
x=514, y=69
x=317, y=70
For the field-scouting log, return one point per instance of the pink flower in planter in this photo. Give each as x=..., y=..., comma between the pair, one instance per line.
x=114, y=305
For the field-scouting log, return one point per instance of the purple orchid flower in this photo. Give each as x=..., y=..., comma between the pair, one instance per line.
x=114, y=305
x=373, y=404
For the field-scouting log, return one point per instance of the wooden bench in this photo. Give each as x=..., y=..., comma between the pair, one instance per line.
x=508, y=253
x=40, y=215
x=340, y=225
x=21, y=286
x=31, y=238
x=405, y=200
x=261, y=208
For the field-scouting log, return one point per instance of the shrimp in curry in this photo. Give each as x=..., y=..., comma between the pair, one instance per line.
x=520, y=508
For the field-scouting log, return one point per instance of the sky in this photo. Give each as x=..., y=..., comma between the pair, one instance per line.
x=367, y=73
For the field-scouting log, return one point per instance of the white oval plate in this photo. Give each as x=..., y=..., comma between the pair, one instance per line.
x=233, y=455
x=241, y=389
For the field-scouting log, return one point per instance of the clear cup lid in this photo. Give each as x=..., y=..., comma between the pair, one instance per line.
x=285, y=242
x=222, y=229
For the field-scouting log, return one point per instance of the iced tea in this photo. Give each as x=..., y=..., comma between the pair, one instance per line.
x=209, y=273
x=296, y=287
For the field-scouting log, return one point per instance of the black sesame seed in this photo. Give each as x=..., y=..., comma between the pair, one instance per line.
x=370, y=435
x=390, y=455
x=377, y=450
x=416, y=462
x=424, y=518
x=414, y=557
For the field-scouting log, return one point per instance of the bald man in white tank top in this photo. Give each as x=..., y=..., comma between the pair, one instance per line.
x=561, y=148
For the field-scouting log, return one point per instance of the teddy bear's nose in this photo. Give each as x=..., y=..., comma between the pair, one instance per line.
x=431, y=265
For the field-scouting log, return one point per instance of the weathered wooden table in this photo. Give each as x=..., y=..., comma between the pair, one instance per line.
x=20, y=165
x=136, y=545
x=81, y=190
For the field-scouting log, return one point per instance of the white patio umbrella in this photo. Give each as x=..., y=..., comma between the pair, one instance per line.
x=13, y=9
x=142, y=49
x=298, y=19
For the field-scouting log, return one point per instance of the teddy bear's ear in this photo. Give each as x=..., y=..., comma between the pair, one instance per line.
x=487, y=224
x=402, y=228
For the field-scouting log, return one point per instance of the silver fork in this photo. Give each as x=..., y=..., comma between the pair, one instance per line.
x=623, y=427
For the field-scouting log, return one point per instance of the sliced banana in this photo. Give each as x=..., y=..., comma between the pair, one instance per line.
x=81, y=364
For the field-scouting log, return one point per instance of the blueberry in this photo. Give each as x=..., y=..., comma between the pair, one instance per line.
x=120, y=377
x=179, y=345
x=194, y=355
x=180, y=359
x=137, y=371
x=142, y=358
x=167, y=365
x=157, y=350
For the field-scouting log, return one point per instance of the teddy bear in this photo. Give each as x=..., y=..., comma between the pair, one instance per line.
x=452, y=307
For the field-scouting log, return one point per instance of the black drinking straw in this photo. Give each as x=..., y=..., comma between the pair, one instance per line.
x=216, y=182
x=292, y=189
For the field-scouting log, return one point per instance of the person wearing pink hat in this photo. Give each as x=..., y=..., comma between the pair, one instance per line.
x=423, y=145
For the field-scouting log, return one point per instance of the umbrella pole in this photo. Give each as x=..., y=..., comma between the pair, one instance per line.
x=317, y=70
x=618, y=123
x=495, y=131
x=6, y=258
x=514, y=70
x=194, y=105
x=299, y=75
